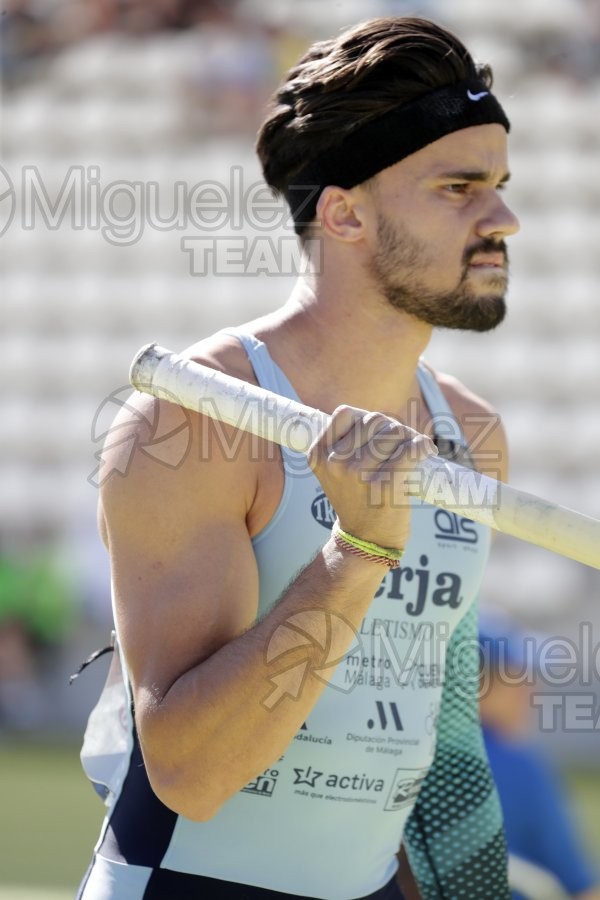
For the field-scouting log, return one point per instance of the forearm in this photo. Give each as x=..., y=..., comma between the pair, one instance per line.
x=218, y=726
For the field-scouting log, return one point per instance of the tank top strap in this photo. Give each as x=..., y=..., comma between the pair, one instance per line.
x=447, y=433
x=268, y=374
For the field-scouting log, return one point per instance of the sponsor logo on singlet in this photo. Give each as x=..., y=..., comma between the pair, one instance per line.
x=263, y=785
x=387, y=715
x=322, y=511
x=307, y=776
x=321, y=785
x=405, y=788
x=305, y=735
x=451, y=527
x=396, y=651
x=419, y=587
x=384, y=731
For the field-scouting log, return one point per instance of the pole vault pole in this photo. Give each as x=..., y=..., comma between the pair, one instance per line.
x=169, y=376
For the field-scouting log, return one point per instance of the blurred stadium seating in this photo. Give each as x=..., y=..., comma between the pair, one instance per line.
x=149, y=108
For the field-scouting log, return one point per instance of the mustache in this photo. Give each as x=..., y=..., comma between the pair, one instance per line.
x=487, y=245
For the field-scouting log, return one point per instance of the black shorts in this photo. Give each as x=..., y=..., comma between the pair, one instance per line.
x=165, y=884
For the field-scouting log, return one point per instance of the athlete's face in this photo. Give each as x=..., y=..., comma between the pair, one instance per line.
x=440, y=226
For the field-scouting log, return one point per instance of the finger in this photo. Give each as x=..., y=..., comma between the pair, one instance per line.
x=402, y=458
x=385, y=439
x=379, y=439
x=342, y=422
x=411, y=449
x=371, y=431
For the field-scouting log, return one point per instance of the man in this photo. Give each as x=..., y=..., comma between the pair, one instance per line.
x=253, y=766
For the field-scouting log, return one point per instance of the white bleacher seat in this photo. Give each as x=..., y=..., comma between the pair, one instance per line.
x=565, y=176
x=534, y=16
x=551, y=112
x=552, y=236
x=548, y=305
x=24, y=118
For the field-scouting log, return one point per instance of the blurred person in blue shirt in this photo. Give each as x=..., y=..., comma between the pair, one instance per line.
x=547, y=860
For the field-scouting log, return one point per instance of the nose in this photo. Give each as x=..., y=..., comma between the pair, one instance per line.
x=498, y=221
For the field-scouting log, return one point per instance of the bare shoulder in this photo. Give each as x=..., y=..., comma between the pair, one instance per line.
x=224, y=352
x=461, y=398
x=481, y=424
x=177, y=452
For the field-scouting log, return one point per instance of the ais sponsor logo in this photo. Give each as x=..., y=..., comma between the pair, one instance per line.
x=450, y=527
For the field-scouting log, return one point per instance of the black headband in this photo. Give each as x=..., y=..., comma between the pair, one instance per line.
x=390, y=138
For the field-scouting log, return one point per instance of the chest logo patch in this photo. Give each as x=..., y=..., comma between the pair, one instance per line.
x=322, y=511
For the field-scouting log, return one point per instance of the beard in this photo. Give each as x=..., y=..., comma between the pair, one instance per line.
x=461, y=308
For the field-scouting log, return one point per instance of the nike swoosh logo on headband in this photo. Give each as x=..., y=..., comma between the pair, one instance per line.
x=479, y=96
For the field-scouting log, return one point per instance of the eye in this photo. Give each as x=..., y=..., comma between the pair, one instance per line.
x=458, y=187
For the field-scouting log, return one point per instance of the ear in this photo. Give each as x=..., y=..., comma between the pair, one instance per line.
x=340, y=214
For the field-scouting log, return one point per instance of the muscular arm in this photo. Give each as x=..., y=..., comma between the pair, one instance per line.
x=186, y=594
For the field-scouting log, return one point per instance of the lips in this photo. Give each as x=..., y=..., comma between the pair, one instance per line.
x=483, y=260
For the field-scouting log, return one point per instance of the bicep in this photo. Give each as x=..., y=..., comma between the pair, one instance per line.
x=184, y=574
x=175, y=609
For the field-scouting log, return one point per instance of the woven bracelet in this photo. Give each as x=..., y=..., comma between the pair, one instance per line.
x=388, y=556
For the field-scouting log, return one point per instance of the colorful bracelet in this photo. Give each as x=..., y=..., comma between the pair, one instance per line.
x=388, y=556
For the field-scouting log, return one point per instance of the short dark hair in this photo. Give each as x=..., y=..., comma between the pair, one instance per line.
x=343, y=83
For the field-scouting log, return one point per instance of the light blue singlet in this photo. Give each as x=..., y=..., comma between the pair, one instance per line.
x=326, y=819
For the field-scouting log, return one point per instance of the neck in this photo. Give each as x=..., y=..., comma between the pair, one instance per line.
x=341, y=345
